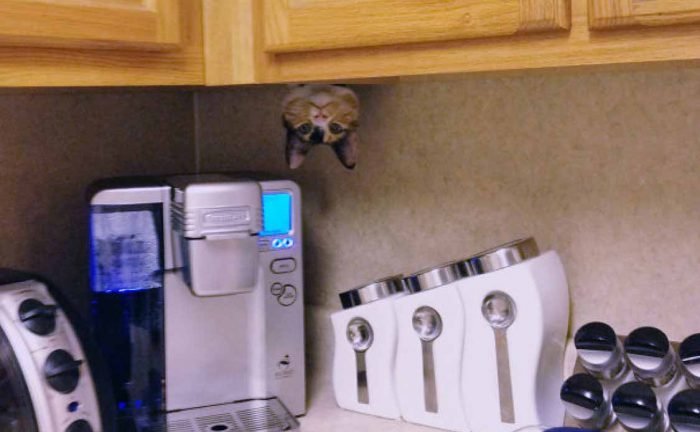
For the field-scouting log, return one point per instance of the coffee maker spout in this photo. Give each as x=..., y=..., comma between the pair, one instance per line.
x=221, y=265
x=216, y=222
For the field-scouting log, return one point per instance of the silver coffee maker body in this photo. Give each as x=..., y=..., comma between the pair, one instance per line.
x=232, y=308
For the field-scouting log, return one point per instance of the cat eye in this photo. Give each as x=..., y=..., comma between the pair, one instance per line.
x=304, y=128
x=336, y=128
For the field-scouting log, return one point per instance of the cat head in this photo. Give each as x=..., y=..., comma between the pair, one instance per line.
x=321, y=115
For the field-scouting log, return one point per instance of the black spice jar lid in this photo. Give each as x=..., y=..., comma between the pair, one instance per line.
x=690, y=350
x=596, y=336
x=635, y=399
x=647, y=341
x=583, y=390
x=684, y=410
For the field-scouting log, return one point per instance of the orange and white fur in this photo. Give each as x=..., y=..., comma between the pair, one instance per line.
x=320, y=114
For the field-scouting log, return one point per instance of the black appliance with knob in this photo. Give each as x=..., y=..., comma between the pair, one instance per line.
x=62, y=371
x=51, y=376
x=39, y=318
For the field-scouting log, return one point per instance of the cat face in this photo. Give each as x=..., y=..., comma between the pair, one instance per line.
x=321, y=114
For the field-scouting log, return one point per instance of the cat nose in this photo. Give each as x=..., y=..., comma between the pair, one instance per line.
x=317, y=136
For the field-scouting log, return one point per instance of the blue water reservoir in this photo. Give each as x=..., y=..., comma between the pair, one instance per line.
x=126, y=272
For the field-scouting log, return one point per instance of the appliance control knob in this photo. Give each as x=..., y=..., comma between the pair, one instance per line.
x=79, y=426
x=38, y=317
x=62, y=371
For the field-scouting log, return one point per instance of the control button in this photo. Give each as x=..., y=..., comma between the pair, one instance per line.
x=37, y=317
x=79, y=426
x=284, y=265
x=276, y=289
x=289, y=296
x=73, y=406
x=62, y=371
x=282, y=243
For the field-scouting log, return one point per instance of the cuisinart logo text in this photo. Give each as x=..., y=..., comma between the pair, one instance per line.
x=230, y=216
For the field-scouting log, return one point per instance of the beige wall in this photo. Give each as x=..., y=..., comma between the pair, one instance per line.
x=53, y=145
x=602, y=167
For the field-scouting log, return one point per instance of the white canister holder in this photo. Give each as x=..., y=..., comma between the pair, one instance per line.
x=428, y=362
x=365, y=348
x=516, y=309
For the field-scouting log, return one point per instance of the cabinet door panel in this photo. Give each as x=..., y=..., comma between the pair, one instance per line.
x=309, y=25
x=607, y=14
x=130, y=24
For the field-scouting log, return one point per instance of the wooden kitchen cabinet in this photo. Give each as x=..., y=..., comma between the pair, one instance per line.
x=249, y=40
x=136, y=24
x=310, y=25
x=226, y=42
x=271, y=41
x=608, y=14
x=100, y=42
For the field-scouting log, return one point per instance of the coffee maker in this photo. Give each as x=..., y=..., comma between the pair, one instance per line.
x=197, y=291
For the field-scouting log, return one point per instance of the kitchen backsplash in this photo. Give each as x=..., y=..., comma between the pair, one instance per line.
x=53, y=144
x=601, y=166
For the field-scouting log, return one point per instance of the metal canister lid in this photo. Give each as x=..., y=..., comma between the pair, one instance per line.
x=371, y=292
x=500, y=257
x=432, y=277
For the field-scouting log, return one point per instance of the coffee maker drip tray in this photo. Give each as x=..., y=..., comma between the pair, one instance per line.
x=259, y=415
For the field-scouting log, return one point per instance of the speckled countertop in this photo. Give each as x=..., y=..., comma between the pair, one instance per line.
x=324, y=415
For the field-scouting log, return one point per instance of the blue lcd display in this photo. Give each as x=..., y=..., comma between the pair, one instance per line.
x=277, y=213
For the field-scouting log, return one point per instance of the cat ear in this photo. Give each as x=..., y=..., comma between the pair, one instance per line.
x=296, y=150
x=346, y=149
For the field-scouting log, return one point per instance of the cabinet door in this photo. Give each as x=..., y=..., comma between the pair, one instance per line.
x=606, y=14
x=130, y=24
x=309, y=25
